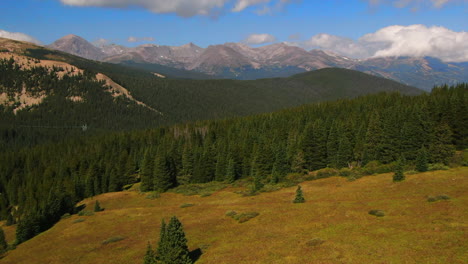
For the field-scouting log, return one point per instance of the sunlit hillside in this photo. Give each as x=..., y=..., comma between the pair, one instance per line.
x=332, y=226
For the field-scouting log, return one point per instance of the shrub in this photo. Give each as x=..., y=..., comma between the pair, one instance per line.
x=378, y=213
x=326, y=172
x=438, y=198
x=85, y=213
x=345, y=172
x=112, y=240
x=186, y=205
x=79, y=220
x=437, y=166
x=243, y=217
x=231, y=213
x=65, y=216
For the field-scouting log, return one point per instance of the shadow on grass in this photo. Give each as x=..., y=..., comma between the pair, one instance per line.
x=195, y=254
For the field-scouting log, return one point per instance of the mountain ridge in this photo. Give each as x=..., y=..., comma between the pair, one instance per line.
x=239, y=61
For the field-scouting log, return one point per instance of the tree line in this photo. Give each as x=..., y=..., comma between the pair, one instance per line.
x=39, y=184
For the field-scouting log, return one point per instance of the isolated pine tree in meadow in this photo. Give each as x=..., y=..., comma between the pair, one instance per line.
x=97, y=207
x=422, y=160
x=299, y=196
x=399, y=174
x=172, y=248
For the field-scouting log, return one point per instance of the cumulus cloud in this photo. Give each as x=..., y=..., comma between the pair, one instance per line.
x=419, y=40
x=340, y=45
x=414, y=40
x=135, y=39
x=256, y=39
x=18, y=36
x=184, y=8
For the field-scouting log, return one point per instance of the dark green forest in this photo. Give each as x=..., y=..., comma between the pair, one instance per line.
x=40, y=183
x=178, y=100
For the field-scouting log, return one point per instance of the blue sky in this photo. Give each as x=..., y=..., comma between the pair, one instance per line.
x=206, y=22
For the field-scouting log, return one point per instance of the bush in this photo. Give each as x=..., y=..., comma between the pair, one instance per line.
x=345, y=172
x=441, y=197
x=437, y=166
x=326, y=172
x=65, y=216
x=241, y=218
x=85, y=213
x=378, y=213
x=186, y=205
x=231, y=213
x=112, y=240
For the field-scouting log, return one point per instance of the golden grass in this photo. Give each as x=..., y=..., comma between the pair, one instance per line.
x=336, y=212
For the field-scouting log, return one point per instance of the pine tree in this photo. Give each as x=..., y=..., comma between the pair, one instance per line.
x=441, y=148
x=399, y=173
x=150, y=257
x=97, y=207
x=422, y=160
x=172, y=248
x=299, y=196
x=163, y=178
x=231, y=171
x=3, y=243
x=146, y=172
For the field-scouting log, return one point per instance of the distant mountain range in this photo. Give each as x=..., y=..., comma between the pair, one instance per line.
x=239, y=61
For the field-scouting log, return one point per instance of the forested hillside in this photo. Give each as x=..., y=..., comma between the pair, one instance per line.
x=40, y=184
x=61, y=100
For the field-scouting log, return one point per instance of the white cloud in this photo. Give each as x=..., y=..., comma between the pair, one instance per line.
x=18, y=36
x=419, y=40
x=341, y=45
x=415, y=4
x=184, y=8
x=414, y=40
x=256, y=39
x=135, y=39
x=243, y=4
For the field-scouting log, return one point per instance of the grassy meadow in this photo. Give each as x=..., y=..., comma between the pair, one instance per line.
x=332, y=226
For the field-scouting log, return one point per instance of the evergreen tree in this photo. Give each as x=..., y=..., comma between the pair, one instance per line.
x=97, y=207
x=399, y=173
x=299, y=196
x=150, y=257
x=146, y=172
x=422, y=160
x=298, y=162
x=231, y=171
x=172, y=248
x=3, y=243
x=163, y=177
x=441, y=148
